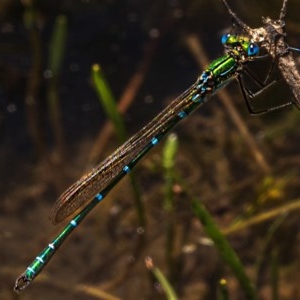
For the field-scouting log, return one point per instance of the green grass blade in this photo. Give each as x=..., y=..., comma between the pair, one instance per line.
x=57, y=45
x=56, y=55
x=30, y=14
x=169, y=154
x=159, y=276
x=108, y=102
x=223, y=290
x=168, y=161
x=225, y=250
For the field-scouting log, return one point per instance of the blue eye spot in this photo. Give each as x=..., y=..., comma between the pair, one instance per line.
x=253, y=49
x=224, y=38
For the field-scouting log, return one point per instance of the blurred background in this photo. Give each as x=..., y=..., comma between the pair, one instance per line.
x=53, y=129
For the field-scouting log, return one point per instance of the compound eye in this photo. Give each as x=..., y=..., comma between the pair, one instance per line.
x=225, y=38
x=253, y=49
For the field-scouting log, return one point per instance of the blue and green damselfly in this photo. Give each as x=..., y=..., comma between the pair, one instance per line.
x=239, y=50
x=94, y=186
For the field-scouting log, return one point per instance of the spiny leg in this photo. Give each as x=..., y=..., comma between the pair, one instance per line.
x=246, y=94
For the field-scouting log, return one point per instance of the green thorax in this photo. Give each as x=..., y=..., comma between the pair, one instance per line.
x=223, y=68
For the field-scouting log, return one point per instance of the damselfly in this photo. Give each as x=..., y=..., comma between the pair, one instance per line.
x=94, y=186
x=239, y=50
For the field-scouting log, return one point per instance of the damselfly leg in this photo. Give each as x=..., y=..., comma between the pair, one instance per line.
x=273, y=85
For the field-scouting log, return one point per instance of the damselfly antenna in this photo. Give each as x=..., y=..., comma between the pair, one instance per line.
x=236, y=19
x=283, y=11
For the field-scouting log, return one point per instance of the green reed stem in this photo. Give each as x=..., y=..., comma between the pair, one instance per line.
x=224, y=248
x=169, y=155
x=32, y=99
x=223, y=290
x=109, y=104
x=55, y=60
x=160, y=277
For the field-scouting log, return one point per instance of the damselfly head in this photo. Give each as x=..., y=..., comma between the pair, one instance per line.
x=231, y=41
